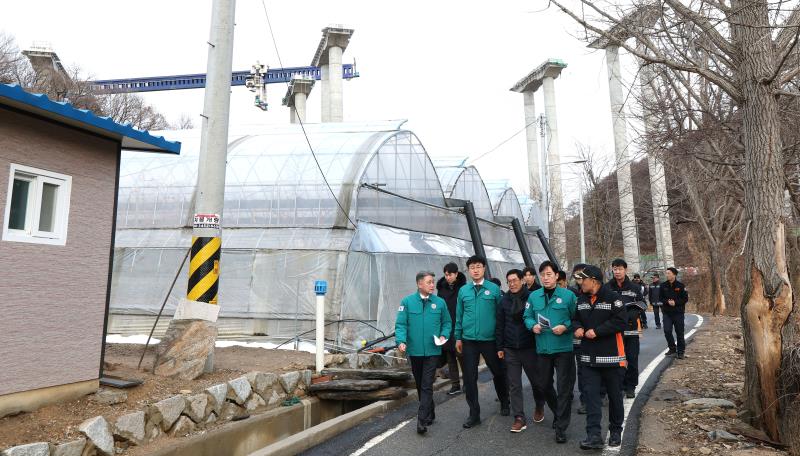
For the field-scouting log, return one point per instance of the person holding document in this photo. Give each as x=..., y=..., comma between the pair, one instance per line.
x=421, y=328
x=549, y=313
x=517, y=346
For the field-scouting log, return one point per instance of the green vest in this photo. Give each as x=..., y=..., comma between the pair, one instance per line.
x=476, y=311
x=559, y=309
x=417, y=322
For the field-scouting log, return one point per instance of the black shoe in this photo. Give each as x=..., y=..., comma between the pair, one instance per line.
x=421, y=428
x=505, y=410
x=681, y=356
x=471, y=422
x=615, y=439
x=430, y=420
x=658, y=327
x=582, y=409
x=593, y=443
x=630, y=394
x=561, y=437
x=671, y=353
x=454, y=390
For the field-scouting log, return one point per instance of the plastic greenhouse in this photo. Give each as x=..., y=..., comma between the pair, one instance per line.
x=282, y=229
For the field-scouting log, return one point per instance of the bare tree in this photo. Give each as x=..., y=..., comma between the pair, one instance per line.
x=184, y=123
x=748, y=44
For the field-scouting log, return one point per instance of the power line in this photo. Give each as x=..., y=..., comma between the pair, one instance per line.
x=300, y=121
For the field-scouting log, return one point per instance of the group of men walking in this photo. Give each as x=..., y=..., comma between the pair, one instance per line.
x=556, y=335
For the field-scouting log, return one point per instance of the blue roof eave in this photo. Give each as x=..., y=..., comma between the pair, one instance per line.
x=13, y=95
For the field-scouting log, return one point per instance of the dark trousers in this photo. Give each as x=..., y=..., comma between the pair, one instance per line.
x=630, y=377
x=525, y=360
x=581, y=380
x=657, y=315
x=598, y=378
x=424, y=370
x=563, y=366
x=453, y=360
x=674, y=320
x=472, y=351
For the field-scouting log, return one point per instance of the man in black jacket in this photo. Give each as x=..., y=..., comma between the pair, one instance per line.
x=447, y=288
x=637, y=279
x=654, y=295
x=529, y=276
x=630, y=293
x=517, y=346
x=600, y=320
x=674, y=296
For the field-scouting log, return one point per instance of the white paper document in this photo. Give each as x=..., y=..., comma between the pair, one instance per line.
x=439, y=342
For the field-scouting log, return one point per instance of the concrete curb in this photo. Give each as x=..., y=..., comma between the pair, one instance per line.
x=318, y=434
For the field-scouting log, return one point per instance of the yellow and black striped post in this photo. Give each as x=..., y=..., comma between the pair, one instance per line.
x=204, y=269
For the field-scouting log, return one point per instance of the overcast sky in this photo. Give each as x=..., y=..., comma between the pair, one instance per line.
x=446, y=66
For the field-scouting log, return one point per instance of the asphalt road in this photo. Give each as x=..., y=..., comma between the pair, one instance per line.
x=394, y=434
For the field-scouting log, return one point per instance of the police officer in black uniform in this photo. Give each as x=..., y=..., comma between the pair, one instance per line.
x=600, y=320
x=630, y=293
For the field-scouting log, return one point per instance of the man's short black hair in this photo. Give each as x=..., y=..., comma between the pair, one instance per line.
x=451, y=268
x=476, y=259
x=528, y=269
x=562, y=275
x=496, y=281
x=578, y=267
x=673, y=270
x=656, y=275
x=548, y=264
x=637, y=276
x=619, y=262
x=515, y=272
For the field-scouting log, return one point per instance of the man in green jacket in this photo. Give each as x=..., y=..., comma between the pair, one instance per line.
x=422, y=326
x=476, y=314
x=549, y=314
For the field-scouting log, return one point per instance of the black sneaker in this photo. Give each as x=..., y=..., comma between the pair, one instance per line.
x=582, y=409
x=681, y=356
x=454, y=390
x=421, y=428
x=630, y=394
x=658, y=327
x=471, y=422
x=615, y=439
x=671, y=353
x=561, y=437
x=594, y=442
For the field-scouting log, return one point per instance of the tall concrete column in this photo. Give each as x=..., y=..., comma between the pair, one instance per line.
x=296, y=97
x=658, y=186
x=558, y=232
x=534, y=173
x=630, y=236
x=329, y=58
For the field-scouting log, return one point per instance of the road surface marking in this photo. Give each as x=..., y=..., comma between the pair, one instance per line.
x=380, y=438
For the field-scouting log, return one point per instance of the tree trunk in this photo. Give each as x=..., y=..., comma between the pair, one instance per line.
x=715, y=269
x=767, y=299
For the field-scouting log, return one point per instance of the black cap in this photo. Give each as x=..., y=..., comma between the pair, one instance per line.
x=590, y=272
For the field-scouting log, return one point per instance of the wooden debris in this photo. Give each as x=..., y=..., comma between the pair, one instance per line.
x=394, y=392
x=368, y=374
x=349, y=385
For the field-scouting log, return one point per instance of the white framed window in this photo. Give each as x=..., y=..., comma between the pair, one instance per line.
x=37, y=206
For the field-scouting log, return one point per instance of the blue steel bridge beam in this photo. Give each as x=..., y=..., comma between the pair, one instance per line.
x=198, y=81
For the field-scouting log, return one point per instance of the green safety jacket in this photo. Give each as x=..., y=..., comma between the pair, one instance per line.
x=558, y=310
x=418, y=320
x=476, y=311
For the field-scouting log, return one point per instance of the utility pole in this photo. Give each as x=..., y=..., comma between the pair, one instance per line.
x=187, y=349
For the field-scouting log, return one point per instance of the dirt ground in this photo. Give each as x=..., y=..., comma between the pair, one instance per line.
x=713, y=368
x=58, y=423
